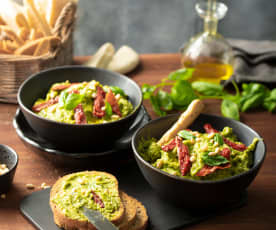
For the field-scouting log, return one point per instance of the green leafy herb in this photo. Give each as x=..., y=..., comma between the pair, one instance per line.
x=214, y=160
x=230, y=109
x=182, y=93
x=218, y=138
x=156, y=106
x=70, y=100
x=108, y=109
x=270, y=101
x=186, y=135
x=181, y=74
x=117, y=90
x=207, y=89
x=147, y=90
x=164, y=100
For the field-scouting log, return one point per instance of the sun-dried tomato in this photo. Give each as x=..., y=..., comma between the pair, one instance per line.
x=209, y=129
x=170, y=146
x=239, y=147
x=79, y=115
x=44, y=105
x=75, y=91
x=99, y=103
x=111, y=99
x=226, y=152
x=183, y=156
x=206, y=170
x=97, y=199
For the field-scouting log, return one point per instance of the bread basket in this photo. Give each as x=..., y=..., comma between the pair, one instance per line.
x=15, y=69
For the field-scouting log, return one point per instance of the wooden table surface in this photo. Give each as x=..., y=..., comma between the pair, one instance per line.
x=259, y=213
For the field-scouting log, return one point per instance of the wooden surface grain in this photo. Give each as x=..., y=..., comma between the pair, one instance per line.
x=259, y=213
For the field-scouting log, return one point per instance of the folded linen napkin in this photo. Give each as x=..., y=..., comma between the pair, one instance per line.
x=254, y=61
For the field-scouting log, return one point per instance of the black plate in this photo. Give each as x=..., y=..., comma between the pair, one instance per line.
x=26, y=133
x=163, y=215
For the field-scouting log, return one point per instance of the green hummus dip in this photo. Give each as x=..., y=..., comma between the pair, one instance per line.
x=63, y=98
x=204, y=154
x=79, y=190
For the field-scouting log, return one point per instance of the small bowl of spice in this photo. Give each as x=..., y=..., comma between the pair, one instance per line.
x=8, y=164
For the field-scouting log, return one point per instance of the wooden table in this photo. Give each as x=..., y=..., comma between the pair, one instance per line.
x=259, y=213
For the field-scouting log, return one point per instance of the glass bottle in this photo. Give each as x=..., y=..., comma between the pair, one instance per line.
x=209, y=53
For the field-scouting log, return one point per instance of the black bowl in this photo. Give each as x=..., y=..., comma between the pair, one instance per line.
x=8, y=157
x=72, y=136
x=192, y=193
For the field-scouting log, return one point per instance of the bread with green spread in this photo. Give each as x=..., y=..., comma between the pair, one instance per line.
x=95, y=190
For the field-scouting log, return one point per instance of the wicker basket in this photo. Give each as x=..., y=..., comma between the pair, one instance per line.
x=15, y=69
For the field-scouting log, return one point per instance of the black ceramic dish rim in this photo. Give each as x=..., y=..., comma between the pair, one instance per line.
x=11, y=151
x=195, y=181
x=57, y=152
x=21, y=104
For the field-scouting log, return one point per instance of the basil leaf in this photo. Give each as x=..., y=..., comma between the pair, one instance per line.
x=186, y=135
x=72, y=101
x=156, y=106
x=214, y=160
x=218, y=138
x=230, y=109
x=164, y=100
x=181, y=74
x=252, y=101
x=108, y=109
x=207, y=89
x=62, y=98
x=182, y=93
x=117, y=90
x=69, y=100
x=270, y=101
x=147, y=91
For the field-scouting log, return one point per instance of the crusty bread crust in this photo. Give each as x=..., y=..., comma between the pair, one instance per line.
x=141, y=220
x=70, y=224
x=130, y=211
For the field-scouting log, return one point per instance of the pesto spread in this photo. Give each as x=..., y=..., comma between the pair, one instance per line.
x=86, y=189
x=200, y=156
x=83, y=103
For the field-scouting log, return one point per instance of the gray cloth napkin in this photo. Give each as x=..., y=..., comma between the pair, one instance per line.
x=254, y=61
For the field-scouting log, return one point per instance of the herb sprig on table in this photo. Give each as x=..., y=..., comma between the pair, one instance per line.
x=182, y=93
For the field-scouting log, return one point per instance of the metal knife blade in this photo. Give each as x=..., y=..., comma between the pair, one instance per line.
x=98, y=220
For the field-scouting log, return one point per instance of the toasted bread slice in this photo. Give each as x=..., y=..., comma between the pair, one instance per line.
x=63, y=221
x=141, y=219
x=130, y=211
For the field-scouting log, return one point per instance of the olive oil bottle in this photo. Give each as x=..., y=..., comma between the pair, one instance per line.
x=209, y=53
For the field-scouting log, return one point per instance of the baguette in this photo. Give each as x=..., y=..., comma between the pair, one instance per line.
x=141, y=220
x=185, y=119
x=63, y=220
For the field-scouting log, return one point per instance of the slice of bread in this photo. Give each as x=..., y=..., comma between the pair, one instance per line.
x=68, y=223
x=141, y=220
x=130, y=211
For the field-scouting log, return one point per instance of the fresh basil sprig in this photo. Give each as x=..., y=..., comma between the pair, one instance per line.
x=186, y=135
x=117, y=90
x=230, y=109
x=69, y=100
x=218, y=138
x=214, y=160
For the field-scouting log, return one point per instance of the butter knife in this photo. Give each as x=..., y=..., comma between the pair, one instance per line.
x=98, y=220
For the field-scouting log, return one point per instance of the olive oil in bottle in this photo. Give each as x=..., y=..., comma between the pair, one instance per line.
x=209, y=53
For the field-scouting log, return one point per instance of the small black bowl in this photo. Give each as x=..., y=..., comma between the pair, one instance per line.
x=8, y=157
x=72, y=136
x=192, y=193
